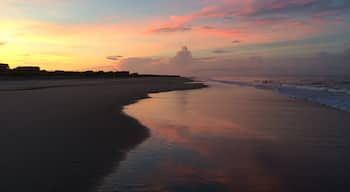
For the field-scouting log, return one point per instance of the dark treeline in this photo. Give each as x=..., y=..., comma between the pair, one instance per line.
x=29, y=72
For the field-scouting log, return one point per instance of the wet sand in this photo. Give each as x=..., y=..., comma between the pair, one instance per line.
x=234, y=138
x=66, y=135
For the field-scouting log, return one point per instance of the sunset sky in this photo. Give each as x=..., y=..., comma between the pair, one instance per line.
x=178, y=36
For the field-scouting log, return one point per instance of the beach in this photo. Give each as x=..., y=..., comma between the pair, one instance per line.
x=66, y=135
x=167, y=134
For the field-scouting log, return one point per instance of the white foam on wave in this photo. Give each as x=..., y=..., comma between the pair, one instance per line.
x=328, y=96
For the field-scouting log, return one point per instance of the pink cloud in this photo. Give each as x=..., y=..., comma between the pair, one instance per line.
x=254, y=21
x=169, y=27
x=328, y=17
x=243, y=10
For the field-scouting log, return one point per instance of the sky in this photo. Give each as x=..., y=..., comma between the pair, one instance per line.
x=192, y=37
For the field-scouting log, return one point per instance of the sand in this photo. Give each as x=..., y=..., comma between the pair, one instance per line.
x=66, y=135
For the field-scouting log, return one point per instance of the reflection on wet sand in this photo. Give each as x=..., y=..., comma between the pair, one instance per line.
x=233, y=139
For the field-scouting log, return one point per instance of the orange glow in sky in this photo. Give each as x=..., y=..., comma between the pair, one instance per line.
x=76, y=35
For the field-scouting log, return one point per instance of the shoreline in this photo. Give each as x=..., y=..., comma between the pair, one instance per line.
x=283, y=143
x=68, y=138
x=315, y=95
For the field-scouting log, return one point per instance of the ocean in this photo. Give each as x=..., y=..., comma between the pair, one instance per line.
x=332, y=91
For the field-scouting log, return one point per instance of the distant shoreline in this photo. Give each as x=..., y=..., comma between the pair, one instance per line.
x=34, y=72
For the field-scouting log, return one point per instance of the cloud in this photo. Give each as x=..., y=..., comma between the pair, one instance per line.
x=323, y=63
x=218, y=28
x=347, y=44
x=298, y=6
x=183, y=63
x=114, y=57
x=221, y=51
x=257, y=8
x=167, y=28
x=236, y=41
x=208, y=27
x=183, y=57
x=256, y=14
x=2, y=43
x=204, y=59
x=141, y=65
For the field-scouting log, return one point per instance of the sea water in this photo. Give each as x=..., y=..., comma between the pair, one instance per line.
x=332, y=91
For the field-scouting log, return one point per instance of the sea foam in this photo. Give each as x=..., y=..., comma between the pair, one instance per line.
x=333, y=93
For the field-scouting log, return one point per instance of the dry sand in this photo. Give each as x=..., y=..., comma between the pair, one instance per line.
x=66, y=135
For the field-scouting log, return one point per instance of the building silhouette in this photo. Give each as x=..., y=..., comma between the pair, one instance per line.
x=4, y=67
x=28, y=69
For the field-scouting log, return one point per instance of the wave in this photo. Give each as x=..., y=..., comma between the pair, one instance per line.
x=333, y=94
